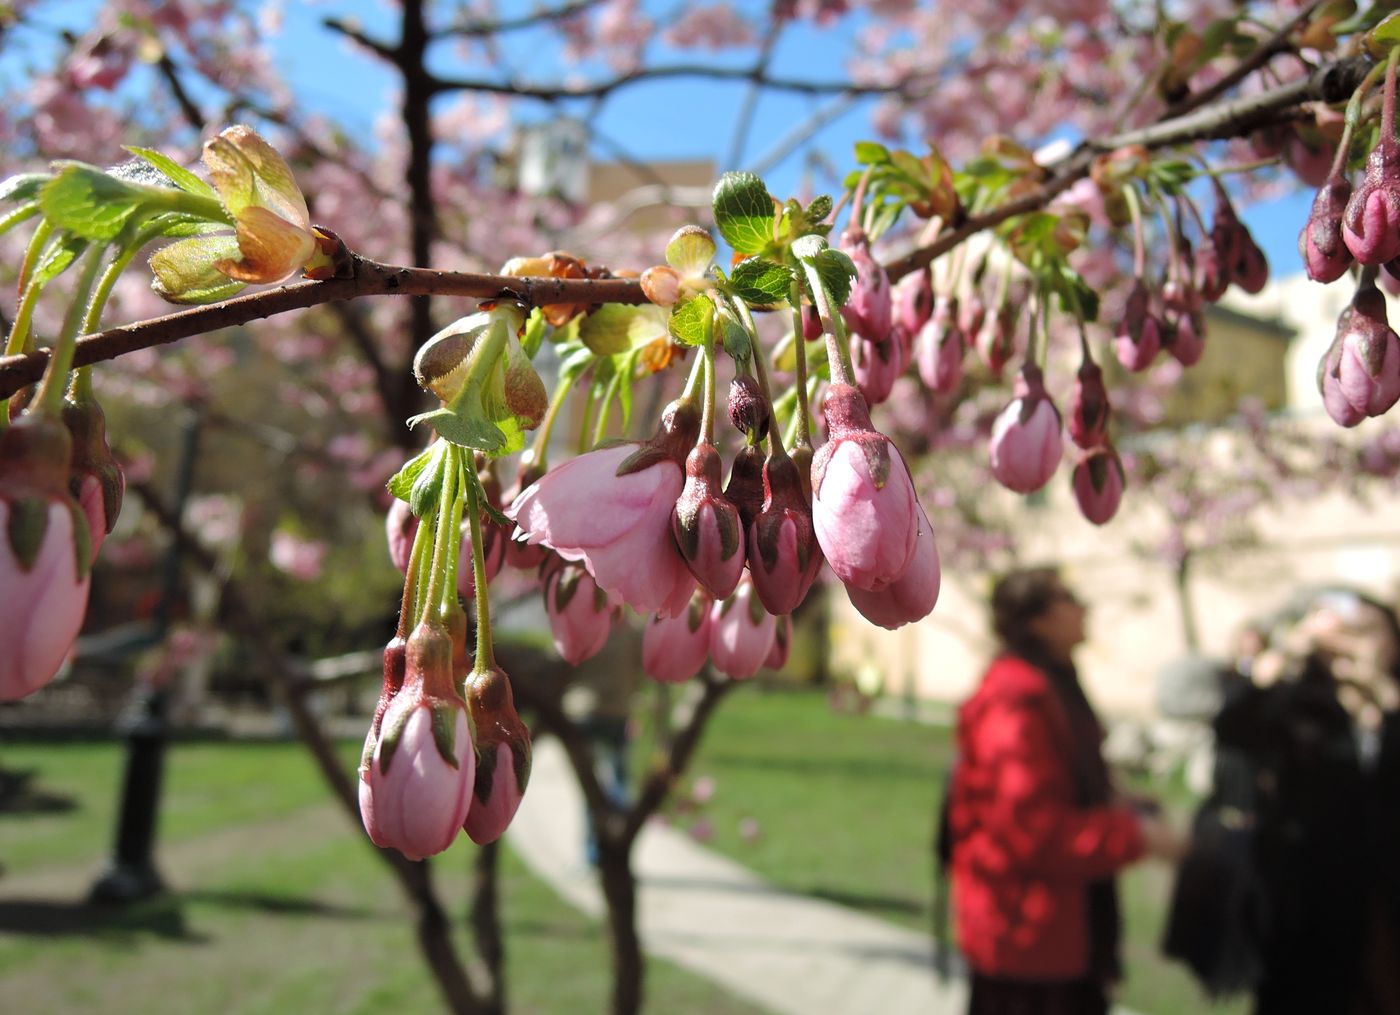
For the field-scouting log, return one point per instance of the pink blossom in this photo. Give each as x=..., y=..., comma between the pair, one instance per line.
x=784, y=555
x=1088, y=406
x=1360, y=375
x=876, y=366
x=611, y=509
x=940, y=347
x=299, y=558
x=503, y=742
x=400, y=526
x=1320, y=244
x=1098, y=484
x=44, y=556
x=996, y=339
x=707, y=528
x=674, y=648
x=864, y=510
x=869, y=310
x=1025, y=447
x=913, y=300
x=580, y=614
x=1371, y=221
x=910, y=597
x=741, y=633
x=417, y=786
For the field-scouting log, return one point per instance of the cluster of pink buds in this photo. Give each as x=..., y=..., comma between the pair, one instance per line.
x=737, y=634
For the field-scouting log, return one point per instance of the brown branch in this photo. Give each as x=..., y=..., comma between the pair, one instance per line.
x=655, y=790
x=383, y=50
x=481, y=27
x=371, y=278
x=1262, y=54
x=192, y=113
x=556, y=93
x=1333, y=83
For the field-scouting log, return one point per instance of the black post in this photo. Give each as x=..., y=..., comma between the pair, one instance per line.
x=132, y=875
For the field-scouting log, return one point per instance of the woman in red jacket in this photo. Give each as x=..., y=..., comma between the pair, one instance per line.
x=1037, y=830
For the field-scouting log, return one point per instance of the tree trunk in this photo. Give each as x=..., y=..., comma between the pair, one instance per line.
x=486, y=925
x=620, y=891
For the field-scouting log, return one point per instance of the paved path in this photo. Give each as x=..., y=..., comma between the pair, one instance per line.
x=787, y=952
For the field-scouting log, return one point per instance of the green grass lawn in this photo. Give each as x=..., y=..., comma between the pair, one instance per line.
x=845, y=808
x=278, y=904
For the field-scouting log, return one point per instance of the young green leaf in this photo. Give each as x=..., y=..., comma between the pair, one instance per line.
x=605, y=330
x=464, y=431
x=760, y=282
x=57, y=256
x=692, y=322
x=833, y=267
x=82, y=199
x=23, y=186
x=402, y=482
x=868, y=153
x=179, y=175
x=744, y=212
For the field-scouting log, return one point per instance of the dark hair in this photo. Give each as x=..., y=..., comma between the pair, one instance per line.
x=1018, y=598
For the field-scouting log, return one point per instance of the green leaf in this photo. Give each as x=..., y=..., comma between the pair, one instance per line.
x=625, y=377
x=574, y=359
x=833, y=267
x=744, y=212
x=402, y=482
x=535, y=328
x=23, y=186
x=84, y=200
x=692, y=322
x=737, y=342
x=760, y=282
x=1387, y=33
x=179, y=175
x=819, y=209
x=606, y=329
x=464, y=431
x=868, y=153
x=58, y=255
x=185, y=273
x=690, y=251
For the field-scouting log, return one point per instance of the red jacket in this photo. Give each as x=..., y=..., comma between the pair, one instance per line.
x=1023, y=852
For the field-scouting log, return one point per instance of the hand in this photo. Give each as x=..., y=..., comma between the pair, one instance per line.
x=1161, y=839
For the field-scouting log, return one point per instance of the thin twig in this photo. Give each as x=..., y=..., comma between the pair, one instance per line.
x=482, y=27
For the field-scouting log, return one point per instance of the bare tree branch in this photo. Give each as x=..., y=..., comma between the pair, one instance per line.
x=370, y=278
x=481, y=27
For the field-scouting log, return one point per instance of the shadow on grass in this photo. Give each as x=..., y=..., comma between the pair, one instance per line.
x=19, y=795
x=161, y=917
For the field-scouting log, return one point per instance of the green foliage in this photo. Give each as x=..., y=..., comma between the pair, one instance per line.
x=833, y=267
x=178, y=174
x=692, y=322
x=744, y=212
x=760, y=282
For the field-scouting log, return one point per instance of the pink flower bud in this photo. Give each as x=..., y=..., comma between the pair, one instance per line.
x=748, y=409
x=745, y=489
x=1320, y=244
x=811, y=323
x=45, y=554
x=1371, y=221
x=782, y=644
x=864, y=510
x=1026, y=447
x=996, y=341
x=611, y=509
x=674, y=648
x=400, y=526
x=741, y=634
x=580, y=614
x=1088, y=406
x=972, y=314
x=1251, y=270
x=913, y=595
x=503, y=768
x=662, y=285
x=1310, y=158
x=1136, y=349
x=1360, y=375
x=1212, y=271
x=1098, y=484
x=940, y=348
x=783, y=553
x=869, y=310
x=913, y=300
x=706, y=526
x=417, y=787
x=1188, y=339
x=95, y=477
x=876, y=365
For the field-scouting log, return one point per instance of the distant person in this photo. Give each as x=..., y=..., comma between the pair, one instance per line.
x=1321, y=732
x=1037, y=830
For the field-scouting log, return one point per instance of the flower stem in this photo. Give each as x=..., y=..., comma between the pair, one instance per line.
x=760, y=370
x=409, y=605
x=443, y=538
x=803, y=436
x=707, y=405
x=50, y=395
x=1139, y=230
x=540, y=445
x=838, y=355
x=485, y=652
x=1388, y=103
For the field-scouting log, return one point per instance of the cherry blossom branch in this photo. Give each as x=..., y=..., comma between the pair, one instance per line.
x=556, y=93
x=474, y=28
x=369, y=278
x=1262, y=54
x=1332, y=83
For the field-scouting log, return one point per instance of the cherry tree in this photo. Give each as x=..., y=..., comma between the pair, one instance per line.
x=950, y=252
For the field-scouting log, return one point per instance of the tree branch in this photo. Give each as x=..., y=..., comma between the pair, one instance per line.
x=370, y=278
x=555, y=93
x=480, y=27
x=383, y=50
x=1330, y=84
